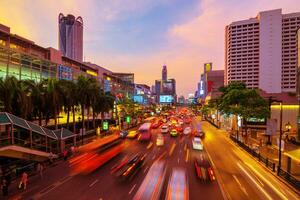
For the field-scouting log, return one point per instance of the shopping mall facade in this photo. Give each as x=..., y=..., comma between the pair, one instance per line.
x=24, y=59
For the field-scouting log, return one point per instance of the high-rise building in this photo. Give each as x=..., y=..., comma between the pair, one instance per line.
x=70, y=36
x=164, y=73
x=262, y=51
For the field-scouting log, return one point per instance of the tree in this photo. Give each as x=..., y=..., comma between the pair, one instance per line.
x=236, y=99
x=7, y=91
x=54, y=98
x=69, y=97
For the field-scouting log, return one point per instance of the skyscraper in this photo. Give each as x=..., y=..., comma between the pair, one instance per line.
x=164, y=73
x=70, y=36
x=262, y=51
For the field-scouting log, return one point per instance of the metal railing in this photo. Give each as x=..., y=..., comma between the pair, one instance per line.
x=289, y=178
x=255, y=153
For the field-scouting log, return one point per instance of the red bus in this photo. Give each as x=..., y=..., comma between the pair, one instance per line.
x=95, y=154
x=145, y=132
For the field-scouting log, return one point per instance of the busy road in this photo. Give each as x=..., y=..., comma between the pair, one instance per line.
x=169, y=165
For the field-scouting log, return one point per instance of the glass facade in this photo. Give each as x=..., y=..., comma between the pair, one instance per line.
x=23, y=66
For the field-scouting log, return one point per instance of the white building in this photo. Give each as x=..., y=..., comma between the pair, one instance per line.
x=262, y=51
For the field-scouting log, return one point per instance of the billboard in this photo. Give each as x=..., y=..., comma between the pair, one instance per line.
x=138, y=99
x=207, y=67
x=166, y=99
x=65, y=73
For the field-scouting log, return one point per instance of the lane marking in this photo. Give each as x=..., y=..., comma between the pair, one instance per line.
x=266, y=181
x=172, y=149
x=187, y=155
x=93, y=183
x=242, y=188
x=131, y=189
x=178, y=160
x=253, y=180
x=146, y=169
x=150, y=145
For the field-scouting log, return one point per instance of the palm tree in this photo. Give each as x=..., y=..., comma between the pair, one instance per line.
x=54, y=98
x=82, y=88
x=7, y=91
x=38, y=97
x=68, y=89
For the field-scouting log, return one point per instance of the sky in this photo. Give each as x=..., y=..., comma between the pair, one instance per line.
x=140, y=36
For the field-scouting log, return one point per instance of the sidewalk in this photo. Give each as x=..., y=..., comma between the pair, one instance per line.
x=36, y=183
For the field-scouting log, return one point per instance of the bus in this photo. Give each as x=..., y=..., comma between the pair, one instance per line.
x=145, y=132
x=152, y=185
x=95, y=154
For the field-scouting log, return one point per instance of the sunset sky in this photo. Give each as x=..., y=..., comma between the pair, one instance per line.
x=141, y=35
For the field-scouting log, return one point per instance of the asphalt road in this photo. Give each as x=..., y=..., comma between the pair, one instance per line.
x=177, y=152
x=240, y=176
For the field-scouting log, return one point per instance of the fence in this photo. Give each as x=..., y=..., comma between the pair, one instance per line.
x=289, y=178
x=255, y=153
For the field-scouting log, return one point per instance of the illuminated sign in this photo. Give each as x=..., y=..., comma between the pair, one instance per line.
x=138, y=99
x=105, y=125
x=207, y=67
x=128, y=119
x=166, y=99
x=65, y=73
x=91, y=73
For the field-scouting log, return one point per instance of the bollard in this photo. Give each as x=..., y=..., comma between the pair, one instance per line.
x=273, y=167
x=267, y=162
x=258, y=157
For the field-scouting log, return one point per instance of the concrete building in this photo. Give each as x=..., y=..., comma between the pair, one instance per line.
x=261, y=51
x=70, y=36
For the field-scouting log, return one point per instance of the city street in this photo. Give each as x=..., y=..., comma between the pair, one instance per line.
x=102, y=185
x=239, y=174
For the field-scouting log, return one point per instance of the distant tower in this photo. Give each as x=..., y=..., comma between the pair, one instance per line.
x=164, y=73
x=70, y=36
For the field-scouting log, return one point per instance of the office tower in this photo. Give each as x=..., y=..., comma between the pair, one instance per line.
x=164, y=73
x=70, y=36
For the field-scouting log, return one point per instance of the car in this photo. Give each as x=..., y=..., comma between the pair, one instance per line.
x=132, y=134
x=173, y=133
x=197, y=144
x=123, y=133
x=152, y=185
x=155, y=125
x=199, y=133
x=179, y=128
x=178, y=185
x=160, y=140
x=203, y=169
x=180, y=122
x=187, y=130
x=164, y=129
x=127, y=168
x=187, y=121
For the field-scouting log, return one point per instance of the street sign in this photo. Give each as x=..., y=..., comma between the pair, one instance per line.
x=128, y=119
x=105, y=125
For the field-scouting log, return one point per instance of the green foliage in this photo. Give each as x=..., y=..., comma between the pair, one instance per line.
x=238, y=100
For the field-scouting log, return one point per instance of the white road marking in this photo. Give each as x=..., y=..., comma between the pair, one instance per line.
x=146, y=169
x=178, y=160
x=242, y=188
x=93, y=183
x=266, y=181
x=253, y=180
x=131, y=189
